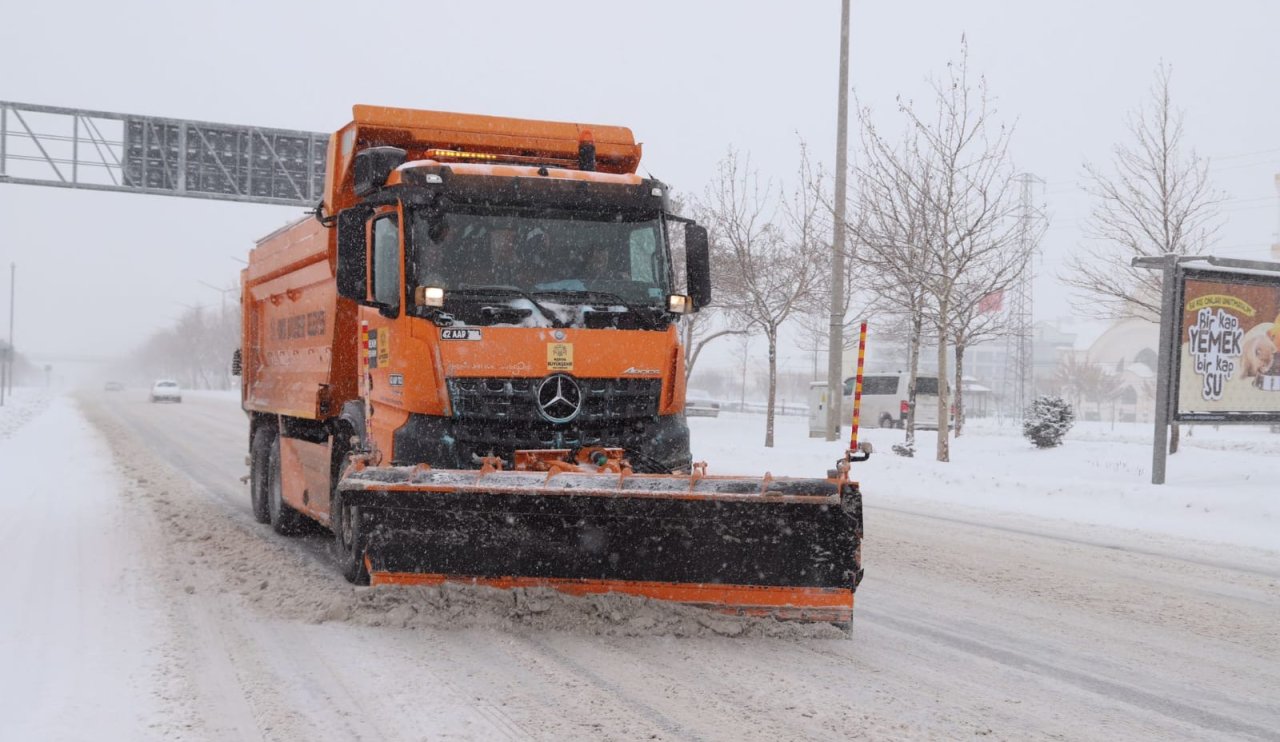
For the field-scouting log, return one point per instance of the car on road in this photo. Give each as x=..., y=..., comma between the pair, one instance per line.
x=113, y=386
x=166, y=390
x=700, y=404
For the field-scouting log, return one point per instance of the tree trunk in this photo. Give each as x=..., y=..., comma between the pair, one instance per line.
x=959, y=387
x=772, y=335
x=913, y=370
x=944, y=432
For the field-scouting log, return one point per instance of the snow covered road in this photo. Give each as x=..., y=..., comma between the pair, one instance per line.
x=144, y=602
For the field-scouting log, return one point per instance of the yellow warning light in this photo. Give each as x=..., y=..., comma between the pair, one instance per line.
x=454, y=154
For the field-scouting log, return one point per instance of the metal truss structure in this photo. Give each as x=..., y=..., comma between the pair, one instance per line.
x=1019, y=364
x=75, y=148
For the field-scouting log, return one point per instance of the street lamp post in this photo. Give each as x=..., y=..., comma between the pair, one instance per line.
x=222, y=291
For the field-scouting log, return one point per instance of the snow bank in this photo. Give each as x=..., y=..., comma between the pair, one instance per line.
x=24, y=404
x=1220, y=488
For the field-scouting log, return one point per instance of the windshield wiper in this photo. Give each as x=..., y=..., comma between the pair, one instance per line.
x=504, y=289
x=647, y=311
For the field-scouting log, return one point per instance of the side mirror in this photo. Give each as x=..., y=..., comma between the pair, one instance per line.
x=373, y=166
x=353, y=255
x=697, y=265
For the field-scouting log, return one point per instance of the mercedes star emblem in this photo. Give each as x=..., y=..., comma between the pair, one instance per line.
x=559, y=398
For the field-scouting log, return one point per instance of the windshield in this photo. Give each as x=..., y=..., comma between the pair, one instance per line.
x=559, y=255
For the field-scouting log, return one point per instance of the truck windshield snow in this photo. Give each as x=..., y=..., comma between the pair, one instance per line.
x=622, y=258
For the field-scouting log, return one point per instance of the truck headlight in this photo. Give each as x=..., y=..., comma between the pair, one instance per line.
x=429, y=296
x=679, y=304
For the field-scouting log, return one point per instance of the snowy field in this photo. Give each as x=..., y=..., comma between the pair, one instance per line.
x=1011, y=594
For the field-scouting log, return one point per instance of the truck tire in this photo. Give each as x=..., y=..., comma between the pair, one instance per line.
x=886, y=421
x=349, y=524
x=350, y=539
x=284, y=519
x=259, y=467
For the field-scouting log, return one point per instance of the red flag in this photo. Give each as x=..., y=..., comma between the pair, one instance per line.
x=992, y=302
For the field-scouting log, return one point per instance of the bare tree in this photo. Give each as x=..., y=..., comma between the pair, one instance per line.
x=707, y=325
x=1158, y=200
x=960, y=170
x=978, y=316
x=196, y=350
x=764, y=269
x=811, y=214
x=899, y=228
x=699, y=330
x=1086, y=382
x=892, y=231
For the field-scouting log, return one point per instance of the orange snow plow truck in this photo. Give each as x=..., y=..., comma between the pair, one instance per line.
x=467, y=366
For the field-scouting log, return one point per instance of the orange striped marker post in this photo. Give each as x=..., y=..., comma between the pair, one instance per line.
x=857, y=387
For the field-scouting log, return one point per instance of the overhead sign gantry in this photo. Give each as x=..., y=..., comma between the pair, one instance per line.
x=98, y=150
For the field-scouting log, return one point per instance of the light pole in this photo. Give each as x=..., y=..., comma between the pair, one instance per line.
x=835, y=339
x=224, y=293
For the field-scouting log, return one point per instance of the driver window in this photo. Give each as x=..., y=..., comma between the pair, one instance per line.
x=643, y=247
x=386, y=261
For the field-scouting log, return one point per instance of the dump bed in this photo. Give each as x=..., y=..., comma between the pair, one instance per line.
x=299, y=350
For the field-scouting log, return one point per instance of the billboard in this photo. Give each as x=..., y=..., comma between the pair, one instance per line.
x=1228, y=364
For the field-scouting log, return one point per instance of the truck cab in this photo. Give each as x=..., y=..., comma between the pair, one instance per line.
x=514, y=294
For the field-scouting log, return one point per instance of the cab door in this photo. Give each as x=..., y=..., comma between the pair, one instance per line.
x=384, y=326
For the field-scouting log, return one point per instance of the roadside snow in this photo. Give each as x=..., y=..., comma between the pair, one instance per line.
x=19, y=407
x=1221, y=487
x=79, y=634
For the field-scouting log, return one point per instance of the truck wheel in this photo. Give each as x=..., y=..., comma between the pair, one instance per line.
x=349, y=524
x=259, y=467
x=886, y=421
x=350, y=538
x=284, y=519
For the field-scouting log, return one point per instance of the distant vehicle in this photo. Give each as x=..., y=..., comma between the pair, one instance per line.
x=885, y=400
x=166, y=390
x=700, y=404
x=113, y=386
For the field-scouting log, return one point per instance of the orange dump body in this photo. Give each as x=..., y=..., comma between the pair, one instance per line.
x=299, y=354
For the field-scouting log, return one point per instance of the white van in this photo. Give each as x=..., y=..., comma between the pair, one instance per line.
x=884, y=400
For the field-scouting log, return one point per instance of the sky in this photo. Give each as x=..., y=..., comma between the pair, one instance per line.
x=97, y=272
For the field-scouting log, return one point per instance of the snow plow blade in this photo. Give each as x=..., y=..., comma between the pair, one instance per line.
x=787, y=548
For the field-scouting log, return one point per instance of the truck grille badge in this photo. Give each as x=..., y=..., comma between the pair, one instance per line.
x=559, y=398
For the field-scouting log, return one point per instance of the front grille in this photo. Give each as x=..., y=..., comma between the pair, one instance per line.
x=501, y=415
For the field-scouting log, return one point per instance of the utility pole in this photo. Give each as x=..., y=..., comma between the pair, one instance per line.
x=1019, y=363
x=835, y=339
